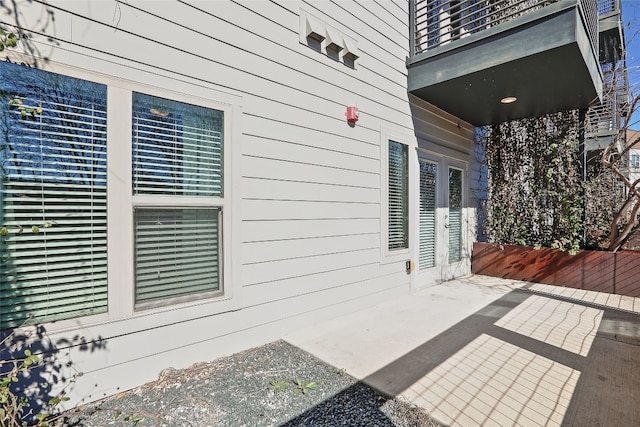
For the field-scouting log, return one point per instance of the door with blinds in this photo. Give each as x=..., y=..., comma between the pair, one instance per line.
x=441, y=224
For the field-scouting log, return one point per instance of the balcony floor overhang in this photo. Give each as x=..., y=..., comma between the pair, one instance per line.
x=611, y=37
x=544, y=59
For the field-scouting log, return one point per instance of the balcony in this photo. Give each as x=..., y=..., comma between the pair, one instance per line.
x=611, y=31
x=471, y=57
x=604, y=120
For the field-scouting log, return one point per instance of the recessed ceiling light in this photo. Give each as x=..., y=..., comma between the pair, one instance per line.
x=509, y=100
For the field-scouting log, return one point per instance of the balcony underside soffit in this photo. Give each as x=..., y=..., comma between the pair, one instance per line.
x=544, y=59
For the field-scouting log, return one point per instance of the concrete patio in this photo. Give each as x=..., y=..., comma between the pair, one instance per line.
x=482, y=351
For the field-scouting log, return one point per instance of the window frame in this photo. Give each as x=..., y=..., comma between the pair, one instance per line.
x=401, y=197
x=53, y=319
x=456, y=166
x=230, y=296
x=120, y=239
x=177, y=202
x=429, y=159
x=397, y=135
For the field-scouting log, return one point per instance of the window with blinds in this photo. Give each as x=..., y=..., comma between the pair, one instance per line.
x=176, y=253
x=455, y=215
x=178, y=155
x=53, y=198
x=398, y=190
x=427, y=252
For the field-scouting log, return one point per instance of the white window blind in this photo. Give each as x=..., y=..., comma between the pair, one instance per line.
x=53, y=177
x=176, y=252
x=455, y=215
x=398, y=196
x=177, y=148
x=177, y=154
x=427, y=253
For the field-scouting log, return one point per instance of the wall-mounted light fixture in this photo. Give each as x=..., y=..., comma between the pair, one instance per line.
x=352, y=114
x=508, y=100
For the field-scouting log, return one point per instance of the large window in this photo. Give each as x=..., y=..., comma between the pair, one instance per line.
x=178, y=198
x=163, y=190
x=53, y=198
x=398, y=237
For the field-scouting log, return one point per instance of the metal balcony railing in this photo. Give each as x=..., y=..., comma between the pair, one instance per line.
x=435, y=23
x=608, y=6
x=605, y=118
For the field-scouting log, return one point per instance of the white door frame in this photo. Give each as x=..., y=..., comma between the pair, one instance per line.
x=442, y=270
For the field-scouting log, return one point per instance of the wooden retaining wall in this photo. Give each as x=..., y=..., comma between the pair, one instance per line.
x=617, y=273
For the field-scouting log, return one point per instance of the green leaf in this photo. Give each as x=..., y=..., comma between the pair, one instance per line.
x=312, y=385
x=279, y=385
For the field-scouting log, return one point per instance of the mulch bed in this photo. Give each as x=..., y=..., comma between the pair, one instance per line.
x=273, y=385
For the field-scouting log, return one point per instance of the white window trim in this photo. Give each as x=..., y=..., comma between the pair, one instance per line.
x=398, y=135
x=124, y=300
x=120, y=203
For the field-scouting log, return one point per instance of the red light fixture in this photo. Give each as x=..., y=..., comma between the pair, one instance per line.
x=352, y=114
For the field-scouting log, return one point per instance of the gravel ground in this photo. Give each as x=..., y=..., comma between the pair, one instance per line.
x=256, y=387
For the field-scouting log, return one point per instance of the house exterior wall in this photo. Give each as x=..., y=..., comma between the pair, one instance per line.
x=304, y=214
x=634, y=154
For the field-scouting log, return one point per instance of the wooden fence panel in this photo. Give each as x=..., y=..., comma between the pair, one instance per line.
x=617, y=273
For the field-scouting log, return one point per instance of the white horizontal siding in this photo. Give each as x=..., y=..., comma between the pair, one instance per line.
x=301, y=209
x=363, y=143
x=263, y=230
x=267, y=66
x=261, y=252
x=303, y=153
x=263, y=273
x=301, y=190
x=310, y=183
x=393, y=274
x=259, y=167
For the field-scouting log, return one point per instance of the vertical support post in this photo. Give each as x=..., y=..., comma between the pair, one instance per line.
x=412, y=28
x=582, y=154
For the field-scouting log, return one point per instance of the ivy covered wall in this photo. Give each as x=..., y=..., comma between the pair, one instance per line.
x=535, y=194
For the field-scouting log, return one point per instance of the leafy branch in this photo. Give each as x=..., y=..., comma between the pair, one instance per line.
x=7, y=40
x=35, y=229
x=15, y=409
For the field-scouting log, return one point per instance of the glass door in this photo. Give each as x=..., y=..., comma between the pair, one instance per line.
x=441, y=220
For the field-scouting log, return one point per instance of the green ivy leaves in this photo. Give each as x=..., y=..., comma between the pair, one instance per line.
x=7, y=39
x=534, y=186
